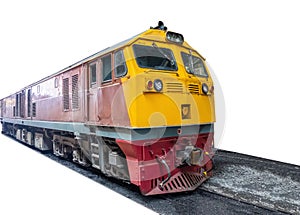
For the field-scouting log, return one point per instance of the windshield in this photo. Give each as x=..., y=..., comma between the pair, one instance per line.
x=154, y=57
x=193, y=65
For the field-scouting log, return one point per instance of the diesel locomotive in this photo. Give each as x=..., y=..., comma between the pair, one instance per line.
x=141, y=111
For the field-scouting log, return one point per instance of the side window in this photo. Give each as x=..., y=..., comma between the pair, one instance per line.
x=106, y=68
x=56, y=82
x=120, y=65
x=93, y=75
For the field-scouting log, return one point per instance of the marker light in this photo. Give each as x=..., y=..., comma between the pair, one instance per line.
x=149, y=85
x=174, y=37
x=158, y=85
x=204, y=88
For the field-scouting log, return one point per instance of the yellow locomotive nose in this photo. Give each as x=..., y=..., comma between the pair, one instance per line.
x=178, y=100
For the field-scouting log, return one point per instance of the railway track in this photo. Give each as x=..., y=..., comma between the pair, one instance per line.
x=241, y=184
x=261, y=182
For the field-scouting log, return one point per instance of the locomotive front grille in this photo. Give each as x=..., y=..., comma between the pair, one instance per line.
x=174, y=87
x=194, y=88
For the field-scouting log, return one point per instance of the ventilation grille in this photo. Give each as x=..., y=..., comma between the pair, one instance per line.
x=180, y=182
x=66, y=101
x=22, y=104
x=75, y=98
x=194, y=88
x=174, y=87
x=17, y=109
x=33, y=109
x=29, y=103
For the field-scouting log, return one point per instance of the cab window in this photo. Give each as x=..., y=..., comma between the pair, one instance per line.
x=93, y=75
x=193, y=65
x=120, y=65
x=106, y=68
x=154, y=57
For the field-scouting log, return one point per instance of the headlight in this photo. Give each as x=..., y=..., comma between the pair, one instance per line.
x=158, y=85
x=204, y=88
x=175, y=37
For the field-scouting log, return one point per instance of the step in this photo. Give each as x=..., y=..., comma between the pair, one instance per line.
x=95, y=156
x=94, y=145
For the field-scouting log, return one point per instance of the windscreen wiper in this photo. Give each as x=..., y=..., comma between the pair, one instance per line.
x=163, y=53
x=191, y=62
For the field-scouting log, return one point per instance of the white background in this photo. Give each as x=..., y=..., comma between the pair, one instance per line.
x=36, y=185
x=252, y=46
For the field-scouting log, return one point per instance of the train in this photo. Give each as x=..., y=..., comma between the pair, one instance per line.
x=141, y=111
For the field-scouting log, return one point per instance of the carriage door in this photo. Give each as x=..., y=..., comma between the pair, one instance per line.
x=92, y=75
